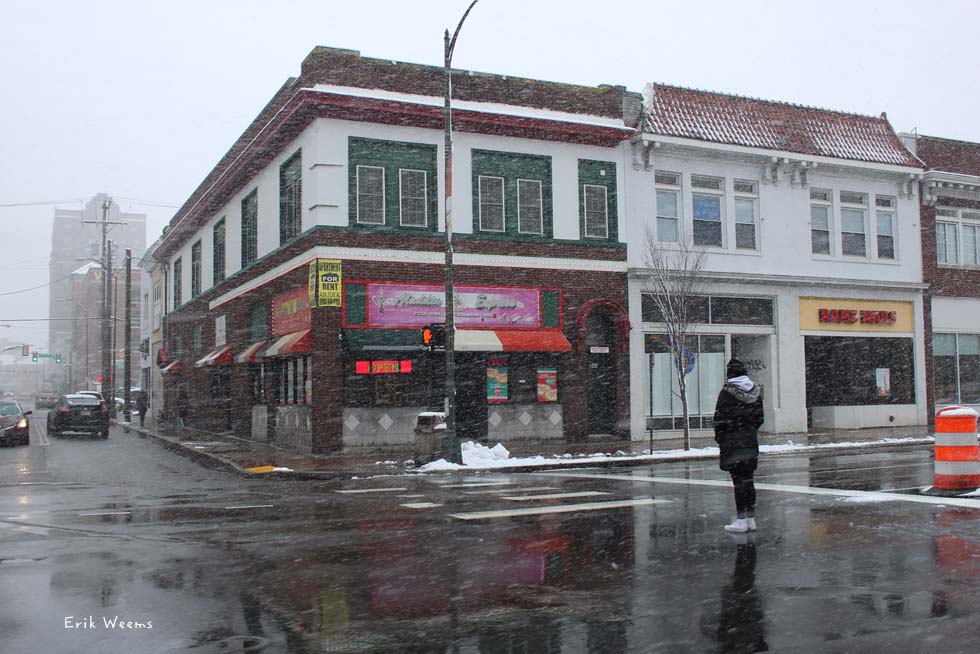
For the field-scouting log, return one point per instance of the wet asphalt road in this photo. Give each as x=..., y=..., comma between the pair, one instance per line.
x=91, y=530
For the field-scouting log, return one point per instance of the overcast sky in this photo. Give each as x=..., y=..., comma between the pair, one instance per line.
x=140, y=100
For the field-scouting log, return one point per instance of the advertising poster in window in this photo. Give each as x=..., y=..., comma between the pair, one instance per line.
x=496, y=384
x=883, y=381
x=547, y=384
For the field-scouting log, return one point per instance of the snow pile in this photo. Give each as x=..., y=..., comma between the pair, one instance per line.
x=871, y=497
x=282, y=469
x=480, y=456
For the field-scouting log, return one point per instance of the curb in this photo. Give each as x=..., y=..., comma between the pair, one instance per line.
x=215, y=461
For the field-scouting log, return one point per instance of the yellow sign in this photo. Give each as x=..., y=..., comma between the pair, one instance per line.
x=846, y=315
x=325, y=283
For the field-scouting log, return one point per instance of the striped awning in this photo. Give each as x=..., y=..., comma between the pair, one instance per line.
x=511, y=340
x=250, y=354
x=219, y=357
x=174, y=367
x=296, y=343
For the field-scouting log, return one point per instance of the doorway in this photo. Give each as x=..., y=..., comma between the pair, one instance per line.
x=601, y=390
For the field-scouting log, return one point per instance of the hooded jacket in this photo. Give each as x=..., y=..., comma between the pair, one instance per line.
x=738, y=416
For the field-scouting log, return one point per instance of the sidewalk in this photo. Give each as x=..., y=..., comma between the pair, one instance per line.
x=251, y=458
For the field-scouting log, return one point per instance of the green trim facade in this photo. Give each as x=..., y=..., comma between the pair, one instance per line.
x=391, y=157
x=511, y=167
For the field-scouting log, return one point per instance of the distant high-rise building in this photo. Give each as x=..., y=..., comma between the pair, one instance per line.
x=77, y=240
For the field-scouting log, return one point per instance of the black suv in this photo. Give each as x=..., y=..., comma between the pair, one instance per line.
x=79, y=413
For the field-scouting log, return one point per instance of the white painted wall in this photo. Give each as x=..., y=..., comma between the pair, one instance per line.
x=784, y=218
x=955, y=314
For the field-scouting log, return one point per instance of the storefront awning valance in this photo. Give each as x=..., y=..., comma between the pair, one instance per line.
x=219, y=357
x=250, y=354
x=383, y=339
x=511, y=340
x=296, y=343
x=172, y=368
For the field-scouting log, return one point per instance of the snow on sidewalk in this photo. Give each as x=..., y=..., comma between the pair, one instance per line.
x=481, y=457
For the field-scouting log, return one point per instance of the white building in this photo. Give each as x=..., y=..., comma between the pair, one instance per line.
x=810, y=220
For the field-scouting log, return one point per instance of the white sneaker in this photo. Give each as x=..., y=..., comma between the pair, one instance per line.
x=750, y=523
x=738, y=526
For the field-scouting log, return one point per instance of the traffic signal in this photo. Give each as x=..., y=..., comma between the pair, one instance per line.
x=34, y=356
x=57, y=358
x=25, y=350
x=434, y=336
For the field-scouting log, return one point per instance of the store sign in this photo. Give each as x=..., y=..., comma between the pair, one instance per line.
x=851, y=316
x=325, y=283
x=290, y=312
x=848, y=315
x=382, y=367
x=417, y=305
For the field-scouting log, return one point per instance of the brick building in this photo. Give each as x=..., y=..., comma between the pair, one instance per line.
x=951, y=266
x=299, y=273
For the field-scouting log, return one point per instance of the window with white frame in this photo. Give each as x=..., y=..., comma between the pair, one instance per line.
x=707, y=201
x=491, y=204
x=530, y=210
x=157, y=305
x=853, y=219
x=821, y=212
x=885, y=227
x=668, y=206
x=370, y=195
x=413, y=197
x=596, y=211
x=957, y=236
x=746, y=214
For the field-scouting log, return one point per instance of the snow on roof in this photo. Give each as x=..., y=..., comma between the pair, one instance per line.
x=87, y=267
x=751, y=122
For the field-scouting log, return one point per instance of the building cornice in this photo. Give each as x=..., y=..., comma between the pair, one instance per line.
x=638, y=273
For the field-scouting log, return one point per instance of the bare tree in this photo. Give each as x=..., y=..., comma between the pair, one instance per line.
x=674, y=277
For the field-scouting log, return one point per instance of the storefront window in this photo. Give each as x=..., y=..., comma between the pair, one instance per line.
x=705, y=360
x=394, y=379
x=855, y=371
x=717, y=310
x=944, y=374
x=522, y=379
x=257, y=383
x=292, y=376
x=968, y=349
x=220, y=382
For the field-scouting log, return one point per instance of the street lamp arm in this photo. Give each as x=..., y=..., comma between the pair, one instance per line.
x=452, y=42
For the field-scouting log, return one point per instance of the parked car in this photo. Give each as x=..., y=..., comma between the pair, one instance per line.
x=45, y=401
x=14, y=427
x=92, y=393
x=79, y=412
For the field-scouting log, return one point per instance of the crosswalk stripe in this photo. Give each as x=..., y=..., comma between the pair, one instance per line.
x=478, y=484
x=561, y=508
x=510, y=490
x=552, y=496
x=370, y=490
x=420, y=505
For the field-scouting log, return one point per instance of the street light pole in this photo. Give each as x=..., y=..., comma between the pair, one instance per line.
x=451, y=446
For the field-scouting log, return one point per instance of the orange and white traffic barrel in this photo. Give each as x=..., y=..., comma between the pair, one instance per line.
x=957, y=454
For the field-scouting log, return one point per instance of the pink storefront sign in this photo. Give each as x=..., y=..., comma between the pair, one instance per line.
x=417, y=305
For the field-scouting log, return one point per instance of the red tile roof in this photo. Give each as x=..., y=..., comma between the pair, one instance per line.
x=949, y=156
x=736, y=120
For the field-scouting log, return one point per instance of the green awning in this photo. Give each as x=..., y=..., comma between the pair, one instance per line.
x=383, y=339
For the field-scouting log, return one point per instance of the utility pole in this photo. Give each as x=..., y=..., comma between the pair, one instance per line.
x=107, y=325
x=127, y=355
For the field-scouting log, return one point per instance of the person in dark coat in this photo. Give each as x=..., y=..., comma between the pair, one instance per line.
x=183, y=408
x=142, y=406
x=738, y=416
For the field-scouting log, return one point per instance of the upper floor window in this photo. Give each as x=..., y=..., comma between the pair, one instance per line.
x=146, y=308
x=530, y=218
x=853, y=216
x=413, y=191
x=218, y=252
x=157, y=305
x=668, y=206
x=512, y=194
x=389, y=184
x=196, y=269
x=707, y=201
x=491, y=192
x=746, y=214
x=821, y=216
x=597, y=200
x=885, y=227
x=290, y=198
x=957, y=236
x=370, y=195
x=250, y=228
x=178, y=273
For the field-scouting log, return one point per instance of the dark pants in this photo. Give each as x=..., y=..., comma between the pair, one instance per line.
x=742, y=478
x=142, y=417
